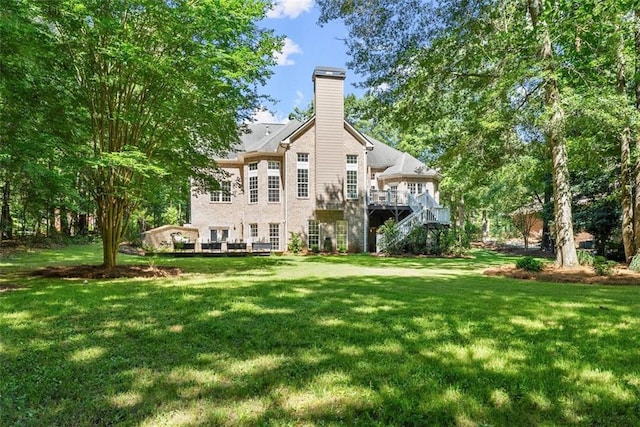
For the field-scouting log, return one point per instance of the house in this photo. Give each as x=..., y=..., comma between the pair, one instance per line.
x=322, y=179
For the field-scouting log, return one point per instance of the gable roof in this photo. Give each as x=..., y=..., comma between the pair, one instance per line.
x=396, y=162
x=267, y=138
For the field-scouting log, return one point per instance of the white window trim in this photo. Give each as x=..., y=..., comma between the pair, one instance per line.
x=218, y=196
x=351, y=167
x=253, y=173
x=302, y=165
x=272, y=173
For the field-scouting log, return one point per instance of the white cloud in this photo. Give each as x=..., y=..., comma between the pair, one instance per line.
x=265, y=116
x=299, y=98
x=290, y=48
x=289, y=8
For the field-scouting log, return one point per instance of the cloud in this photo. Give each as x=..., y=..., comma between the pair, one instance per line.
x=299, y=98
x=265, y=116
x=290, y=48
x=289, y=8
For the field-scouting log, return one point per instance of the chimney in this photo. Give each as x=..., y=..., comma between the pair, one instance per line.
x=329, y=110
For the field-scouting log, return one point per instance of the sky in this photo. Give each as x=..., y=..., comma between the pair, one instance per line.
x=306, y=46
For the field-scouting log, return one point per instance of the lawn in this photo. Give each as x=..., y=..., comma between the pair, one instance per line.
x=318, y=340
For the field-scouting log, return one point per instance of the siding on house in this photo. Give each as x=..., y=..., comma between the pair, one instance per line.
x=329, y=148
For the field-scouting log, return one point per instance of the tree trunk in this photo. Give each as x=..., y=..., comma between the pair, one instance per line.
x=566, y=256
x=108, y=230
x=636, y=180
x=547, y=215
x=6, y=222
x=628, y=240
x=83, y=224
x=65, y=229
x=113, y=218
x=628, y=232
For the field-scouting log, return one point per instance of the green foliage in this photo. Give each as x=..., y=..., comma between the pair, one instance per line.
x=327, y=246
x=171, y=216
x=585, y=257
x=602, y=266
x=295, y=245
x=315, y=249
x=153, y=89
x=634, y=265
x=599, y=209
x=487, y=88
x=390, y=232
x=416, y=241
x=530, y=264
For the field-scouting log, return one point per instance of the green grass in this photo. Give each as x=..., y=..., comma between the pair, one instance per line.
x=319, y=340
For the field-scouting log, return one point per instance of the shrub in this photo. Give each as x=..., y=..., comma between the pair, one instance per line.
x=448, y=241
x=530, y=264
x=635, y=263
x=315, y=249
x=295, y=243
x=585, y=258
x=327, y=245
x=602, y=266
x=416, y=241
x=390, y=237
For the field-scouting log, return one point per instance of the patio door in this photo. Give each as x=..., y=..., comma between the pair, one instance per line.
x=219, y=234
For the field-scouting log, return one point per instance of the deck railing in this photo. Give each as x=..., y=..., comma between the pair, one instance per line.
x=388, y=198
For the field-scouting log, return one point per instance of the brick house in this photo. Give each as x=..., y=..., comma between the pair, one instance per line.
x=322, y=178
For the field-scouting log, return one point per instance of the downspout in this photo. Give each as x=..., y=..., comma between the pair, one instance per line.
x=366, y=186
x=285, y=188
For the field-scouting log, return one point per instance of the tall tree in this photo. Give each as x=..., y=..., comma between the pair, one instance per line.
x=636, y=90
x=165, y=85
x=483, y=79
x=36, y=118
x=565, y=244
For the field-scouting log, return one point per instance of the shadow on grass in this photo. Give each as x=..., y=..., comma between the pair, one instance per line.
x=385, y=350
x=475, y=259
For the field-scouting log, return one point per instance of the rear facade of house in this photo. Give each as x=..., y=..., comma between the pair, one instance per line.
x=321, y=179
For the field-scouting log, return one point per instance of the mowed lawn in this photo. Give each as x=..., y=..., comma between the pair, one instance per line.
x=317, y=340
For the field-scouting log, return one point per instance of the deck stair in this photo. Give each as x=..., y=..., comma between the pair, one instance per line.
x=425, y=211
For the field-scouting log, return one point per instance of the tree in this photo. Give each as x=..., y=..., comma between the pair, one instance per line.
x=38, y=162
x=164, y=85
x=477, y=82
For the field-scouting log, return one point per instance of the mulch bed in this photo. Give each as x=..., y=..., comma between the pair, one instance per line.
x=7, y=287
x=100, y=272
x=586, y=275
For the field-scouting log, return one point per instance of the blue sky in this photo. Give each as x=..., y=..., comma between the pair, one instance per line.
x=307, y=45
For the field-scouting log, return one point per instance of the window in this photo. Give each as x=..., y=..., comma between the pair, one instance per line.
x=352, y=176
x=223, y=194
x=219, y=234
x=253, y=231
x=341, y=236
x=303, y=175
x=314, y=234
x=273, y=181
x=253, y=183
x=413, y=188
x=274, y=236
